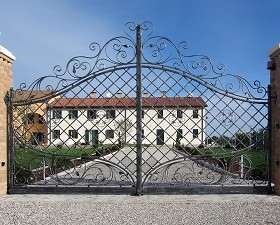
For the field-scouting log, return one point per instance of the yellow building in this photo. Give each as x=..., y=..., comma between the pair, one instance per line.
x=30, y=116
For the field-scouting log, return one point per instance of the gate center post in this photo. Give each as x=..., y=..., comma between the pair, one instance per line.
x=139, y=52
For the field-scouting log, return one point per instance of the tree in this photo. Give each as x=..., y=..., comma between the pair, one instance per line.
x=123, y=126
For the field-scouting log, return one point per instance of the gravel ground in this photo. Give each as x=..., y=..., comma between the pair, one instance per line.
x=148, y=209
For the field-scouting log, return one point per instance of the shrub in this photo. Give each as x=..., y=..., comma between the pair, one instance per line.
x=227, y=146
x=95, y=146
x=195, y=152
x=260, y=172
x=63, y=163
x=119, y=145
x=85, y=156
x=22, y=174
x=115, y=147
x=99, y=151
x=178, y=146
x=188, y=149
x=201, y=146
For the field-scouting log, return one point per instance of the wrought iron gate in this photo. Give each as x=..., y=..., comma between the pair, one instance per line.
x=140, y=115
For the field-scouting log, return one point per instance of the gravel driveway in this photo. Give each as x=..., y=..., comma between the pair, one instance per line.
x=148, y=209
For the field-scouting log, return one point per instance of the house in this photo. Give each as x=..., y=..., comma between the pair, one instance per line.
x=109, y=120
x=30, y=115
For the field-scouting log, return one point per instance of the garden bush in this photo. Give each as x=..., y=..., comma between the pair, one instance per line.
x=86, y=156
x=64, y=163
x=227, y=146
x=22, y=174
x=201, y=146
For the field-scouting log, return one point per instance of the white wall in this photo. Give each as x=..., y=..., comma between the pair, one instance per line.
x=151, y=123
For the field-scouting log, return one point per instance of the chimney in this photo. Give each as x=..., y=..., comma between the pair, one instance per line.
x=145, y=95
x=119, y=95
x=93, y=94
x=163, y=94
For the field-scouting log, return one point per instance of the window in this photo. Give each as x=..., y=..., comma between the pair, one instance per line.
x=109, y=134
x=30, y=118
x=91, y=114
x=195, y=133
x=73, y=114
x=110, y=114
x=160, y=113
x=143, y=135
x=56, y=134
x=57, y=114
x=179, y=133
x=143, y=114
x=195, y=113
x=179, y=113
x=41, y=119
x=73, y=134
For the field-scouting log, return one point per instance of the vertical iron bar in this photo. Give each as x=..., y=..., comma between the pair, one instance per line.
x=139, y=109
x=11, y=150
x=269, y=139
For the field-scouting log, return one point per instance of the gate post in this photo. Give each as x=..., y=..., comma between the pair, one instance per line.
x=139, y=109
x=6, y=82
x=274, y=66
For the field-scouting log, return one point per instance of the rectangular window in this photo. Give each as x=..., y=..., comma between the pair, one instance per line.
x=30, y=118
x=143, y=114
x=179, y=133
x=195, y=133
x=179, y=113
x=73, y=134
x=109, y=134
x=91, y=114
x=56, y=134
x=110, y=114
x=160, y=113
x=57, y=114
x=195, y=113
x=73, y=114
x=143, y=135
x=41, y=119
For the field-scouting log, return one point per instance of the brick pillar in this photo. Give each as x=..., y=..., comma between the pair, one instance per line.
x=6, y=82
x=274, y=66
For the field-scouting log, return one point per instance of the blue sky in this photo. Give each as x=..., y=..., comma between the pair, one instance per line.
x=42, y=34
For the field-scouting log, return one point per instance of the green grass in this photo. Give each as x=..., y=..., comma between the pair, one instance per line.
x=30, y=158
x=34, y=159
x=257, y=157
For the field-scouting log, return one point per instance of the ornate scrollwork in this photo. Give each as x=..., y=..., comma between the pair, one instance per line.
x=227, y=117
x=72, y=172
x=193, y=171
x=158, y=51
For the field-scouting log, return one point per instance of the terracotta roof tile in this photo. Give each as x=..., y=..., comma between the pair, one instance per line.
x=129, y=102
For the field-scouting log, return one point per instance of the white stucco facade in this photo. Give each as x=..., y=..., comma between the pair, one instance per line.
x=94, y=125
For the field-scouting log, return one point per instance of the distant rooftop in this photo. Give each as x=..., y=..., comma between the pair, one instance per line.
x=129, y=102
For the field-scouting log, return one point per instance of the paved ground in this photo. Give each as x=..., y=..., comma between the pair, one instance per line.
x=148, y=209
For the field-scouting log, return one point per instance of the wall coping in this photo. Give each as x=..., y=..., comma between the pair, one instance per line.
x=274, y=49
x=7, y=53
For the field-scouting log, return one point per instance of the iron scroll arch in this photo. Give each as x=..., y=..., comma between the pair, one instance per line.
x=223, y=110
x=158, y=52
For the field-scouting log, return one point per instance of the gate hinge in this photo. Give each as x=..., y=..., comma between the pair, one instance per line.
x=7, y=98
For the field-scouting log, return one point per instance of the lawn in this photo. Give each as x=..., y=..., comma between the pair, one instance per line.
x=256, y=157
x=34, y=159
x=30, y=158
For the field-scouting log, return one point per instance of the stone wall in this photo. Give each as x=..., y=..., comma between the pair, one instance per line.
x=6, y=82
x=274, y=67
